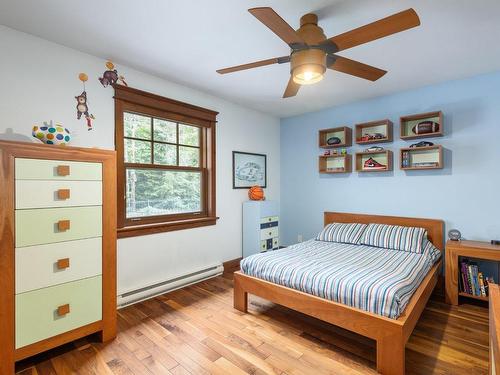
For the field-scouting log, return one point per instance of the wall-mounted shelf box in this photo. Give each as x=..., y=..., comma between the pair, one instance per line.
x=407, y=123
x=335, y=163
x=416, y=158
x=383, y=157
x=380, y=127
x=343, y=133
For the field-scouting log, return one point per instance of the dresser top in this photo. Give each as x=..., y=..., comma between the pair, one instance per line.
x=46, y=148
x=466, y=244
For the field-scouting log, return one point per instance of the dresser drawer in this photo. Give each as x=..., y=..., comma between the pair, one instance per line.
x=269, y=233
x=43, y=194
x=47, y=225
x=37, y=315
x=39, y=169
x=47, y=265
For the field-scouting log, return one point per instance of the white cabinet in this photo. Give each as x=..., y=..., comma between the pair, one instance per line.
x=260, y=227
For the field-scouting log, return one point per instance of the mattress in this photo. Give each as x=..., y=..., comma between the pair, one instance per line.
x=373, y=279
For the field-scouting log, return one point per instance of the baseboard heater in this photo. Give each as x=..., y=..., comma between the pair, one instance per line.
x=150, y=291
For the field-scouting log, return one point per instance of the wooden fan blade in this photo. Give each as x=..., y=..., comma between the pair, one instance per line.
x=354, y=68
x=276, y=60
x=277, y=25
x=291, y=89
x=387, y=26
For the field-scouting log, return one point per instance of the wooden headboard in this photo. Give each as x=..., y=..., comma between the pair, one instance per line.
x=434, y=227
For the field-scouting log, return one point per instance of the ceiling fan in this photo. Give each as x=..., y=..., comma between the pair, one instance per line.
x=312, y=52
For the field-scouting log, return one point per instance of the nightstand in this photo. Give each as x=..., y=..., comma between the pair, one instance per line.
x=470, y=249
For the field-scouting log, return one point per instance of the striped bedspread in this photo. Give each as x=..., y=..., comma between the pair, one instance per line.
x=373, y=279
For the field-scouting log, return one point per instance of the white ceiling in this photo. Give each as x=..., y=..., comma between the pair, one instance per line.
x=185, y=41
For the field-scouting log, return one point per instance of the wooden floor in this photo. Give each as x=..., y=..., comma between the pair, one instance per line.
x=196, y=331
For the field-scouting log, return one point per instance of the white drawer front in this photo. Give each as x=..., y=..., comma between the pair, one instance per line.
x=269, y=233
x=39, y=169
x=37, y=266
x=46, y=194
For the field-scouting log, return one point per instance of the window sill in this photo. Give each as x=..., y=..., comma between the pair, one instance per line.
x=143, y=230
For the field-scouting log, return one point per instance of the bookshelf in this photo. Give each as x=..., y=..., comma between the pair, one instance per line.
x=407, y=124
x=384, y=157
x=335, y=163
x=465, y=249
x=382, y=128
x=416, y=158
x=343, y=133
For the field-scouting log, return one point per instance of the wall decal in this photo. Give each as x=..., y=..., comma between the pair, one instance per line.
x=82, y=107
x=110, y=76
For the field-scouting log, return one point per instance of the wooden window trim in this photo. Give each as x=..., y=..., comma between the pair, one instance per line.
x=128, y=99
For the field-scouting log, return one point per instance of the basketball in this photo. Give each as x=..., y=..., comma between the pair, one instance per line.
x=256, y=193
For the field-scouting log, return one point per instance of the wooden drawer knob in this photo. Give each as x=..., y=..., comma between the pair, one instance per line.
x=63, y=170
x=63, y=225
x=63, y=310
x=63, y=264
x=63, y=194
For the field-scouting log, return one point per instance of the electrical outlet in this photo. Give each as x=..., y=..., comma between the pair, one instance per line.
x=299, y=238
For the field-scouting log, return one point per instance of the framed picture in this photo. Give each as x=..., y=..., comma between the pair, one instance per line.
x=249, y=170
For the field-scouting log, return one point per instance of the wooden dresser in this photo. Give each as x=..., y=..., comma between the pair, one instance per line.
x=57, y=247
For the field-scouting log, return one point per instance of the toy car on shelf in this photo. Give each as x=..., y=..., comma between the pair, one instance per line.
x=371, y=137
x=422, y=144
x=374, y=148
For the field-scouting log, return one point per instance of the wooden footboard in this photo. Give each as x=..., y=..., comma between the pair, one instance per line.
x=391, y=334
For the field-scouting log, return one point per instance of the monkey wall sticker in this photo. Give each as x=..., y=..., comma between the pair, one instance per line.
x=82, y=107
x=110, y=76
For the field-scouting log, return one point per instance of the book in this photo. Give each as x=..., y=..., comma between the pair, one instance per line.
x=464, y=277
x=475, y=281
x=481, y=284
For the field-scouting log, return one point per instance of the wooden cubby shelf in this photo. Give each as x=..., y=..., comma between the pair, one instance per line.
x=416, y=158
x=408, y=124
x=382, y=157
x=367, y=132
x=335, y=163
x=343, y=133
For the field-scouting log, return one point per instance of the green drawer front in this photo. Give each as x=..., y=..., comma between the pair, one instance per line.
x=36, y=311
x=39, y=226
x=38, y=169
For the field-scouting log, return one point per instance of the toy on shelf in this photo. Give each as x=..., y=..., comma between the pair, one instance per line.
x=82, y=107
x=110, y=76
x=51, y=134
x=256, y=193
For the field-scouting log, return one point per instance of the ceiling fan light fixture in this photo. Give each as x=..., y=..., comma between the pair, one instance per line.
x=308, y=74
x=308, y=66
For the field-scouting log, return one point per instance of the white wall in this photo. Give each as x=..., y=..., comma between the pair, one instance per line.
x=38, y=82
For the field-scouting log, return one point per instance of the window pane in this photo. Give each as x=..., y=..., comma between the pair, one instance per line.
x=165, y=154
x=189, y=135
x=137, y=151
x=152, y=192
x=189, y=156
x=165, y=131
x=137, y=126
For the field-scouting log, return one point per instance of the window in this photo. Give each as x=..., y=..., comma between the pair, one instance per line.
x=166, y=163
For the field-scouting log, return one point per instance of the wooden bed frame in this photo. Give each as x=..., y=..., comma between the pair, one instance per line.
x=391, y=335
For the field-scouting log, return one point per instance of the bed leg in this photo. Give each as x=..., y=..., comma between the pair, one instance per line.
x=391, y=355
x=240, y=296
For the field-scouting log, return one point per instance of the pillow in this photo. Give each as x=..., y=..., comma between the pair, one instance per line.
x=341, y=232
x=395, y=237
x=431, y=251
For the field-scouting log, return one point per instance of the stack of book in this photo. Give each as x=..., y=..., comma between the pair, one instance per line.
x=472, y=281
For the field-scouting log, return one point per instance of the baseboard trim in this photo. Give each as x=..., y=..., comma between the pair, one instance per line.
x=232, y=266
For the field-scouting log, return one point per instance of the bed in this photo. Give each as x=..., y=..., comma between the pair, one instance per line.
x=316, y=278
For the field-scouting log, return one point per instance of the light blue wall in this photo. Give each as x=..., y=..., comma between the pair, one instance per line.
x=465, y=193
